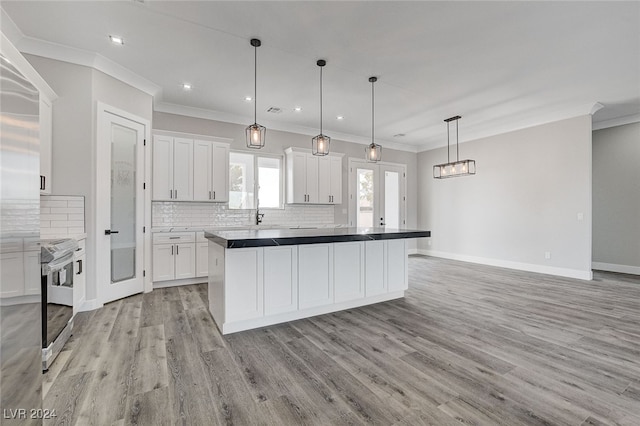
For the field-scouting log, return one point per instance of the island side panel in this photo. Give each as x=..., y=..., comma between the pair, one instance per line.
x=397, y=265
x=216, y=283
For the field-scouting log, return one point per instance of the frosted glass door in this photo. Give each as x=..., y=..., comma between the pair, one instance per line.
x=366, y=198
x=123, y=203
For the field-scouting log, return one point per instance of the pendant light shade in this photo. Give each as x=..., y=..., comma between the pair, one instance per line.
x=454, y=168
x=320, y=143
x=373, y=150
x=256, y=134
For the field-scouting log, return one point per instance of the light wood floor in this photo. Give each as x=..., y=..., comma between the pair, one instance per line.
x=469, y=344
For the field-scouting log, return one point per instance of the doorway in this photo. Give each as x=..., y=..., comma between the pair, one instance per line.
x=377, y=194
x=120, y=204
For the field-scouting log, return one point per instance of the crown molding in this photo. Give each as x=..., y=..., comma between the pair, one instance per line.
x=207, y=114
x=618, y=121
x=521, y=122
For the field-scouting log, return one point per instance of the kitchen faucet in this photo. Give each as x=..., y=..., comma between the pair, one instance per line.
x=259, y=215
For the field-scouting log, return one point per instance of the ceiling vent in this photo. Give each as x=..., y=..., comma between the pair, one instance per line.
x=274, y=110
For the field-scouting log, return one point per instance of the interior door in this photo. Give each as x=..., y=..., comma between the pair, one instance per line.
x=123, y=236
x=377, y=195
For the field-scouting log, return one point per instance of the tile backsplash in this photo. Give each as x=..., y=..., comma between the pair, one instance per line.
x=175, y=214
x=61, y=215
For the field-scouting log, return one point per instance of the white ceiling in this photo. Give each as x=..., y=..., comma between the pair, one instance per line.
x=501, y=65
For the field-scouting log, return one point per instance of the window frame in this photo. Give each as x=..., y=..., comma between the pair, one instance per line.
x=256, y=174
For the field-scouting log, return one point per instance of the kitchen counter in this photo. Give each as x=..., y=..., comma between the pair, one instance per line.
x=281, y=237
x=259, y=277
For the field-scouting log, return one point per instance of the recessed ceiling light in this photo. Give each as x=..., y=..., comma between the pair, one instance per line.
x=297, y=109
x=340, y=117
x=248, y=98
x=116, y=40
x=187, y=86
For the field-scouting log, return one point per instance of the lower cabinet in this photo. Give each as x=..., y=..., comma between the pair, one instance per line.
x=315, y=275
x=245, y=298
x=185, y=258
x=348, y=271
x=202, y=259
x=397, y=266
x=174, y=256
x=280, y=279
x=375, y=270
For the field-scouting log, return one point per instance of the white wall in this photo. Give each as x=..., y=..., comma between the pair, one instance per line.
x=530, y=186
x=74, y=134
x=616, y=199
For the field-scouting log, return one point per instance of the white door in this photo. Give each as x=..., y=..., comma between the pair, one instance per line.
x=377, y=194
x=120, y=207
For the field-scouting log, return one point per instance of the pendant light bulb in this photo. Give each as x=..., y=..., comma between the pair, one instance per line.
x=373, y=151
x=256, y=133
x=320, y=143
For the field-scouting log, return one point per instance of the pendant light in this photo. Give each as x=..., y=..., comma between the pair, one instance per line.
x=373, y=151
x=256, y=133
x=320, y=144
x=458, y=167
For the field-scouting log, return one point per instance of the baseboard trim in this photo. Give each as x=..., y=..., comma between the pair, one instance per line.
x=90, y=305
x=529, y=267
x=613, y=267
x=176, y=283
x=413, y=251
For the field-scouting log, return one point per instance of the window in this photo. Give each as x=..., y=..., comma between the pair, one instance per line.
x=251, y=175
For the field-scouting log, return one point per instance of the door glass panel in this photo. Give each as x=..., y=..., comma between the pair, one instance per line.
x=365, y=200
x=392, y=199
x=241, y=181
x=123, y=203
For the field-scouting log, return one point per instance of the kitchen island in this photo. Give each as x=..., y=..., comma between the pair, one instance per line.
x=260, y=277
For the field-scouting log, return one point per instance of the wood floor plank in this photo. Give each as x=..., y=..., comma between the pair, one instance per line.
x=66, y=396
x=175, y=319
x=149, y=366
x=149, y=408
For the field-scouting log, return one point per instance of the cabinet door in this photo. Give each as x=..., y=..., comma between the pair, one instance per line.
x=324, y=180
x=79, y=282
x=311, y=173
x=163, y=262
x=202, y=259
x=315, y=275
x=12, y=274
x=162, y=179
x=280, y=279
x=32, y=272
x=245, y=299
x=183, y=169
x=185, y=256
x=397, y=265
x=375, y=282
x=46, y=139
x=336, y=179
x=202, y=168
x=296, y=178
x=220, y=176
x=348, y=271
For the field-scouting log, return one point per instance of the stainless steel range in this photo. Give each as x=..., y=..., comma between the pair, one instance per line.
x=57, y=296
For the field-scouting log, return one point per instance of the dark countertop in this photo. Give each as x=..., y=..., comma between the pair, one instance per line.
x=287, y=237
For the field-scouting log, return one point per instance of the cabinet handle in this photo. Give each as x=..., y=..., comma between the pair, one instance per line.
x=209, y=194
x=43, y=180
x=171, y=249
x=176, y=191
x=214, y=195
x=79, y=267
x=177, y=249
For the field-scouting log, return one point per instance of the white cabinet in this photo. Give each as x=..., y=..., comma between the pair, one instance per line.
x=210, y=171
x=12, y=274
x=348, y=271
x=174, y=256
x=80, y=279
x=202, y=259
x=172, y=168
x=46, y=140
x=315, y=275
x=32, y=273
x=330, y=180
x=280, y=279
x=397, y=265
x=375, y=280
x=312, y=179
x=245, y=299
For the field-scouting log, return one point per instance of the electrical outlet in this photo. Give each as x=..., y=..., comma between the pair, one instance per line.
x=547, y=255
x=429, y=242
x=580, y=217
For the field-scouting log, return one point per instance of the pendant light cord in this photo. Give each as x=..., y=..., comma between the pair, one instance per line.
x=373, y=117
x=448, y=149
x=255, y=84
x=457, y=144
x=320, y=100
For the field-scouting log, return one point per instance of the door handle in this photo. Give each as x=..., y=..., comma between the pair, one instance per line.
x=109, y=232
x=382, y=222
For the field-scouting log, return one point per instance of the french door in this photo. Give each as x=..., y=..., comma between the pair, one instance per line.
x=377, y=194
x=121, y=206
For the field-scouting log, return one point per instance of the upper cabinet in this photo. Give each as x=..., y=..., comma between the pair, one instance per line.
x=312, y=179
x=185, y=169
x=210, y=171
x=46, y=142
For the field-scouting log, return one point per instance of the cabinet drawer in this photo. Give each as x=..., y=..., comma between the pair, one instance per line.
x=174, y=237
